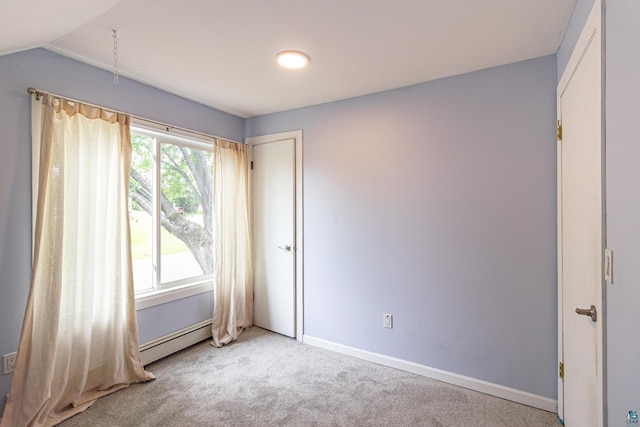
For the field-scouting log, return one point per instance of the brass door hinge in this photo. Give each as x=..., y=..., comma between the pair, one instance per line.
x=561, y=370
x=559, y=131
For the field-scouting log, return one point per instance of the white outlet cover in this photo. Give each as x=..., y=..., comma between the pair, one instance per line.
x=9, y=362
x=387, y=321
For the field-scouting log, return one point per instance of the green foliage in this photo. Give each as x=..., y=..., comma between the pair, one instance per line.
x=142, y=162
x=189, y=204
x=185, y=193
x=176, y=179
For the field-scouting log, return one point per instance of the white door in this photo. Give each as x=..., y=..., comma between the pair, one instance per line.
x=273, y=197
x=581, y=226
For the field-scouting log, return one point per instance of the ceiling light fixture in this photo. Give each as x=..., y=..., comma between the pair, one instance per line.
x=292, y=59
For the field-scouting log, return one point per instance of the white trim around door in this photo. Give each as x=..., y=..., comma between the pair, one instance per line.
x=299, y=247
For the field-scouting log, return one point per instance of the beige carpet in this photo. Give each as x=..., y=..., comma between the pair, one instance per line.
x=264, y=379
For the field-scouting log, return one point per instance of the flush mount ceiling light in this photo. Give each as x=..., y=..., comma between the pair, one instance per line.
x=292, y=59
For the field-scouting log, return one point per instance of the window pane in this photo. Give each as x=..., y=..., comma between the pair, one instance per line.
x=185, y=241
x=140, y=211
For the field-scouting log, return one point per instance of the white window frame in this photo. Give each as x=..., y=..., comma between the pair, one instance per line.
x=186, y=287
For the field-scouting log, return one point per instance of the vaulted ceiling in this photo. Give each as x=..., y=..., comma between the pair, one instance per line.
x=221, y=53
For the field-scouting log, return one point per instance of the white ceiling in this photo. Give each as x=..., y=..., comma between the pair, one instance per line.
x=221, y=53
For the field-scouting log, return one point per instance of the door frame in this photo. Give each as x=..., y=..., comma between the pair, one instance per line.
x=296, y=135
x=592, y=27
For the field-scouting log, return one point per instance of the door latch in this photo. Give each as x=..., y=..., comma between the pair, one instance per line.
x=591, y=312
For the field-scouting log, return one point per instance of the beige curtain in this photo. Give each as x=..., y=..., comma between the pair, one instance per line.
x=233, y=270
x=79, y=338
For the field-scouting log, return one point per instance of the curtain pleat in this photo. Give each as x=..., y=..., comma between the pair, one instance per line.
x=233, y=270
x=79, y=338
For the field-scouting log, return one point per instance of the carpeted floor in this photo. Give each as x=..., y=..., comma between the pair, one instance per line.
x=265, y=379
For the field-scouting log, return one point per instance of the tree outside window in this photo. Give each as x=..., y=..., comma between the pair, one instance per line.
x=174, y=196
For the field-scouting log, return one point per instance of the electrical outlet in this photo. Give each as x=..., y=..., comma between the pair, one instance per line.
x=9, y=362
x=387, y=321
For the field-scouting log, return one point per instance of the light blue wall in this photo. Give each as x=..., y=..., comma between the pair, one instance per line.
x=54, y=73
x=623, y=206
x=155, y=322
x=578, y=19
x=436, y=203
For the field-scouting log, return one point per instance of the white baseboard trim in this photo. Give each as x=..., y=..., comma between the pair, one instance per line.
x=171, y=343
x=497, y=390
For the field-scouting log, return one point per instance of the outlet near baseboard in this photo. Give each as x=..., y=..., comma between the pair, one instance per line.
x=9, y=362
x=387, y=320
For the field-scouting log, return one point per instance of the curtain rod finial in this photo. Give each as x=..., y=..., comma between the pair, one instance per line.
x=36, y=92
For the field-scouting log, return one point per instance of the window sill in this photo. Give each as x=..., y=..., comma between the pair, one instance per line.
x=163, y=296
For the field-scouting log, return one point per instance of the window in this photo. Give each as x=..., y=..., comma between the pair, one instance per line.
x=171, y=211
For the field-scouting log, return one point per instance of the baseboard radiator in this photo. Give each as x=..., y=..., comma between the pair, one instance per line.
x=176, y=341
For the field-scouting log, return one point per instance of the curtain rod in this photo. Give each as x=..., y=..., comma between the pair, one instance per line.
x=168, y=127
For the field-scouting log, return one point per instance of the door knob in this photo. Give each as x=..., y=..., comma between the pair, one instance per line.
x=285, y=248
x=591, y=312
